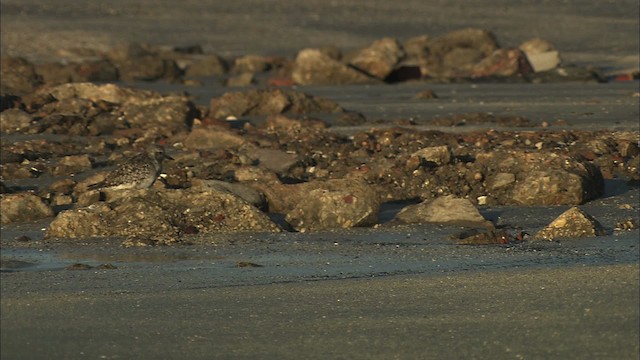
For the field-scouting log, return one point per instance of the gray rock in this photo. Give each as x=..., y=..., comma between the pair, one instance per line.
x=573, y=223
x=21, y=207
x=446, y=210
x=314, y=67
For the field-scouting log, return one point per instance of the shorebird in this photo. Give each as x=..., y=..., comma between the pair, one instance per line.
x=138, y=172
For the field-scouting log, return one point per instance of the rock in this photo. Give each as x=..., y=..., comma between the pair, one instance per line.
x=161, y=217
x=95, y=71
x=353, y=205
x=536, y=46
x=79, y=223
x=573, y=223
x=426, y=95
x=141, y=62
x=314, y=67
x=544, y=61
x=541, y=54
x=454, y=53
x=502, y=62
x=435, y=155
x=540, y=178
x=72, y=164
x=14, y=120
x=121, y=107
x=18, y=76
x=166, y=114
x=488, y=237
x=246, y=193
x=446, y=209
x=21, y=207
x=284, y=123
x=269, y=102
x=273, y=159
x=55, y=73
x=63, y=186
x=243, y=79
x=212, y=138
x=379, y=58
x=209, y=65
x=501, y=180
x=250, y=64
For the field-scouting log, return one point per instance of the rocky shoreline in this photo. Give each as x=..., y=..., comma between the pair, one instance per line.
x=293, y=171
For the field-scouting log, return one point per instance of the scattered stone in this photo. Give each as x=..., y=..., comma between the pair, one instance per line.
x=380, y=58
x=628, y=224
x=446, y=210
x=22, y=207
x=314, y=67
x=573, y=223
x=269, y=102
x=501, y=180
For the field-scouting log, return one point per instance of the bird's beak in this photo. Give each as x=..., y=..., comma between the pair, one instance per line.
x=168, y=157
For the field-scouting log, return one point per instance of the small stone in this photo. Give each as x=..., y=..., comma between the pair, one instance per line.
x=379, y=58
x=438, y=155
x=573, y=223
x=426, y=95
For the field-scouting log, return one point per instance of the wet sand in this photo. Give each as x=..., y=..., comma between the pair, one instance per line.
x=387, y=294
x=577, y=312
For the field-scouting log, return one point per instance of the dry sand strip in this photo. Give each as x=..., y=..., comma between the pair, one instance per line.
x=576, y=312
